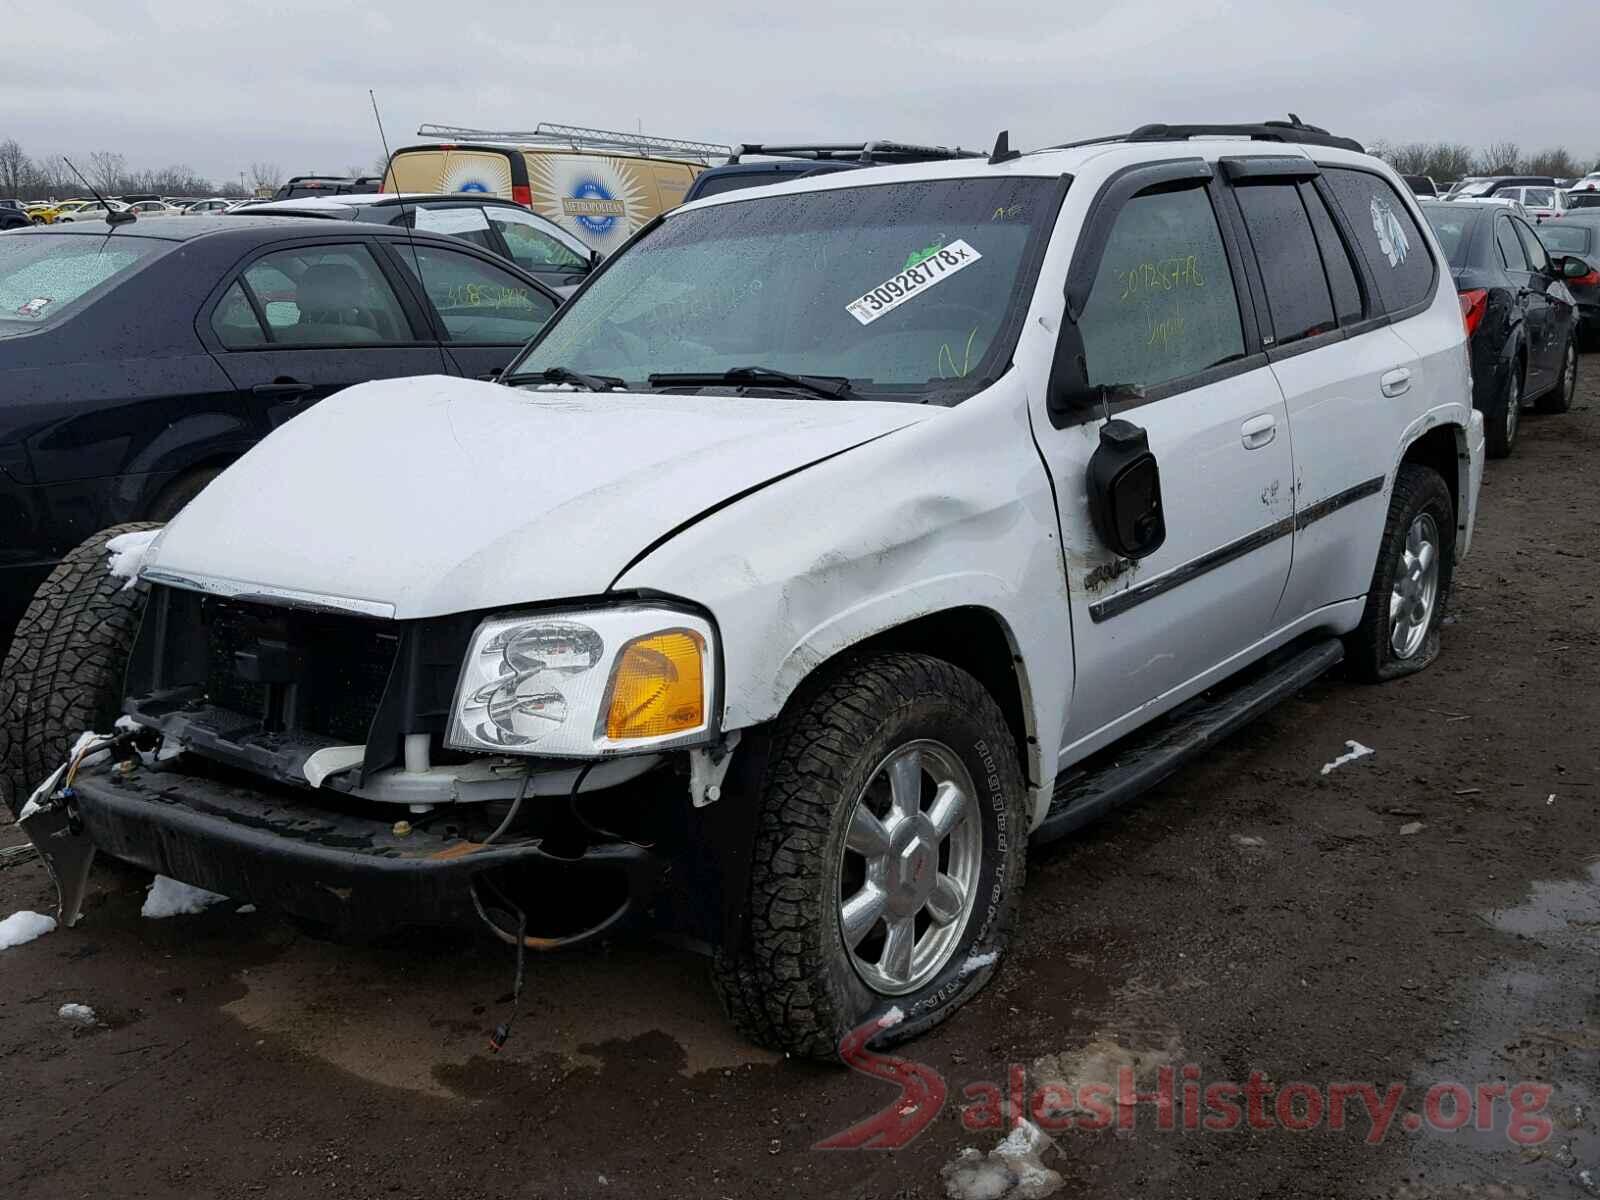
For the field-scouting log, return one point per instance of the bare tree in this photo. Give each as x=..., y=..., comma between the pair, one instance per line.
x=1500, y=158
x=106, y=169
x=16, y=171
x=1450, y=161
x=1556, y=163
x=265, y=174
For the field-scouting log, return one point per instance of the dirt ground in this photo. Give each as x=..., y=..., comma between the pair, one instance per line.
x=1253, y=915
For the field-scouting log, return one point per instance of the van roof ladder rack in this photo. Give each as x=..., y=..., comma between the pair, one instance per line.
x=882, y=151
x=577, y=137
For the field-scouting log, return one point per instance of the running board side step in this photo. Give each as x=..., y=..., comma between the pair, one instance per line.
x=1127, y=769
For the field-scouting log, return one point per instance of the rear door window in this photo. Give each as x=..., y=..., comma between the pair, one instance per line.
x=1511, y=252
x=1336, y=262
x=1163, y=305
x=1538, y=260
x=326, y=295
x=1291, y=264
x=1387, y=235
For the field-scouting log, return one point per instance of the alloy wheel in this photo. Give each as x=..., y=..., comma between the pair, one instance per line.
x=909, y=879
x=1416, y=588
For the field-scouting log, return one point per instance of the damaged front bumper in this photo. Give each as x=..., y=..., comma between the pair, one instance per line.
x=359, y=874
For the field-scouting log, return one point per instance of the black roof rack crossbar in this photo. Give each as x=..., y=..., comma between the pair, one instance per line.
x=1294, y=131
x=863, y=152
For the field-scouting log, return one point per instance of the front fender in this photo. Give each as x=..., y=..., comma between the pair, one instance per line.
x=953, y=513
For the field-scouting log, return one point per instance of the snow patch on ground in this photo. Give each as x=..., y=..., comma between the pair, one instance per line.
x=24, y=926
x=1011, y=1171
x=169, y=898
x=1355, y=750
x=128, y=553
x=78, y=1014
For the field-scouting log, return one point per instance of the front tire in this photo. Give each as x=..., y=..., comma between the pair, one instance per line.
x=890, y=853
x=1399, y=630
x=63, y=674
x=1559, y=398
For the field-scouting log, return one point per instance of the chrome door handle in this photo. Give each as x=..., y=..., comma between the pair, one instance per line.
x=1259, y=431
x=1396, y=382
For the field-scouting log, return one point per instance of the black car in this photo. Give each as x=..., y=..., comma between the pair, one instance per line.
x=326, y=185
x=1476, y=187
x=1577, y=234
x=138, y=360
x=1583, y=200
x=1422, y=185
x=1521, y=319
x=504, y=227
x=13, y=218
x=779, y=164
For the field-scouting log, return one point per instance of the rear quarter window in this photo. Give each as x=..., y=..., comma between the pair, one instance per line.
x=1387, y=235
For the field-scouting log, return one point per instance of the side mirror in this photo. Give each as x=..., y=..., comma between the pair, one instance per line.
x=1125, y=491
x=1573, y=267
x=594, y=259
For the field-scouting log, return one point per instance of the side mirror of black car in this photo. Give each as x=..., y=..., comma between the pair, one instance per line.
x=1573, y=267
x=1125, y=491
x=594, y=259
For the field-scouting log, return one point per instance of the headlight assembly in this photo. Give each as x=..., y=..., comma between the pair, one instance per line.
x=586, y=684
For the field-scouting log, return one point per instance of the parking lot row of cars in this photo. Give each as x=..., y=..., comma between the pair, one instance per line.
x=828, y=542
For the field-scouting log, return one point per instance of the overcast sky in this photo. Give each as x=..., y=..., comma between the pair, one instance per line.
x=218, y=85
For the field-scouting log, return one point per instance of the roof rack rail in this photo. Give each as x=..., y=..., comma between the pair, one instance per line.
x=578, y=137
x=862, y=152
x=1294, y=131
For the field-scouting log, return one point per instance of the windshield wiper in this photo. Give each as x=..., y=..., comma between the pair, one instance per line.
x=594, y=383
x=834, y=387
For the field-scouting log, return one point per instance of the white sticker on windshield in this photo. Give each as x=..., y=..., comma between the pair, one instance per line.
x=451, y=220
x=913, y=281
x=34, y=307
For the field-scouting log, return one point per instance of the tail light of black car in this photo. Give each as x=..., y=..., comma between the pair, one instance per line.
x=1474, y=303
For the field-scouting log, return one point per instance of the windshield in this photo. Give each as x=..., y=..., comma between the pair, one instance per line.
x=1565, y=239
x=1451, y=225
x=42, y=274
x=1478, y=187
x=903, y=289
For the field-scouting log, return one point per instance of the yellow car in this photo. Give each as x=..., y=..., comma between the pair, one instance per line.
x=43, y=213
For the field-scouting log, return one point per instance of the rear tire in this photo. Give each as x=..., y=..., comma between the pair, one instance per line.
x=1399, y=630
x=1501, y=422
x=64, y=672
x=1559, y=398
x=946, y=867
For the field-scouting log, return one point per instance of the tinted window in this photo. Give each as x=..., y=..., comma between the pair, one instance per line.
x=41, y=275
x=1291, y=268
x=1452, y=225
x=1564, y=238
x=1537, y=258
x=234, y=321
x=1163, y=305
x=1387, y=235
x=1583, y=199
x=478, y=303
x=326, y=295
x=1336, y=260
x=534, y=248
x=1510, y=248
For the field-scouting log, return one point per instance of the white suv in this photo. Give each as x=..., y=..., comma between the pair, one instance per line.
x=837, y=539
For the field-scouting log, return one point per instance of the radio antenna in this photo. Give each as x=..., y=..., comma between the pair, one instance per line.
x=114, y=216
x=389, y=172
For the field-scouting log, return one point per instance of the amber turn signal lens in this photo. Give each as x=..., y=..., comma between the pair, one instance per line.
x=659, y=687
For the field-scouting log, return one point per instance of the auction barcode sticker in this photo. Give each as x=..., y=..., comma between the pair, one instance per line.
x=913, y=281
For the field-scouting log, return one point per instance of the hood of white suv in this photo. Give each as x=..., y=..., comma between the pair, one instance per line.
x=438, y=495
